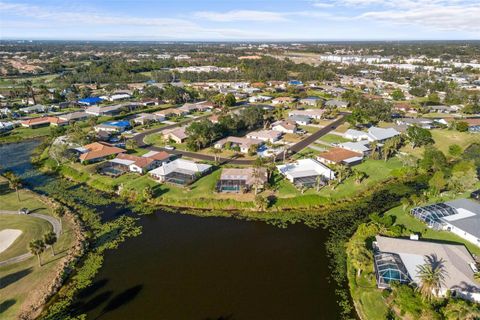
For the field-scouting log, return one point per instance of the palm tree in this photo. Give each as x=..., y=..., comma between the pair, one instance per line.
x=14, y=182
x=37, y=247
x=342, y=172
x=215, y=151
x=374, y=154
x=432, y=276
x=148, y=193
x=461, y=310
x=50, y=239
x=27, y=85
x=359, y=176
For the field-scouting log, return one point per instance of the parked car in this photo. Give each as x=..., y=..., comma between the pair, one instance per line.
x=23, y=211
x=169, y=147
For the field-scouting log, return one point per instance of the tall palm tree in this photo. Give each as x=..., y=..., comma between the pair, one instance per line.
x=461, y=310
x=50, y=239
x=37, y=247
x=14, y=182
x=432, y=276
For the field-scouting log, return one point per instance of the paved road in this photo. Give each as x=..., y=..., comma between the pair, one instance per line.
x=199, y=156
x=57, y=228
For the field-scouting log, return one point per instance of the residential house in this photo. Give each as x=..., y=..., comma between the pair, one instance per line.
x=171, y=112
x=285, y=126
x=311, y=101
x=265, y=135
x=340, y=156
x=6, y=126
x=336, y=104
x=373, y=134
x=38, y=108
x=244, y=144
x=473, y=124
x=361, y=147
x=296, y=83
x=306, y=172
x=74, y=116
x=283, y=100
x=242, y=180
x=300, y=120
x=117, y=96
x=144, y=118
x=113, y=126
x=90, y=101
x=420, y=122
x=147, y=162
x=43, y=121
x=255, y=99
x=461, y=217
x=398, y=260
x=198, y=106
x=179, y=171
x=177, y=134
x=97, y=151
x=311, y=113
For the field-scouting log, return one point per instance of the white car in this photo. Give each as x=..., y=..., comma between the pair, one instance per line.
x=169, y=147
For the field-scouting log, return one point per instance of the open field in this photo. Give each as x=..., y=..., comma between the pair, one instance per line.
x=445, y=138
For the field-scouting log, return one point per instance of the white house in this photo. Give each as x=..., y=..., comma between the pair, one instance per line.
x=373, y=134
x=284, y=126
x=179, y=171
x=255, y=99
x=461, y=216
x=306, y=172
x=399, y=260
x=265, y=135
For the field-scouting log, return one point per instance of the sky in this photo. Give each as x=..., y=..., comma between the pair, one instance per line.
x=240, y=20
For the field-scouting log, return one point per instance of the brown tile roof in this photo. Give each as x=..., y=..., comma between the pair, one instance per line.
x=42, y=120
x=338, y=155
x=472, y=122
x=99, y=150
x=141, y=162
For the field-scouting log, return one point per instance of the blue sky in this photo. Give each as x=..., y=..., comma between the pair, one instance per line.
x=240, y=20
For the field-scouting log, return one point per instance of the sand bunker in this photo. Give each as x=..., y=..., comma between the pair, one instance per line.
x=7, y=237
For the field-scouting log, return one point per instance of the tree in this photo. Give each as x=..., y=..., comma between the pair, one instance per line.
x=229, y=100
x=261, y=202
x=148, y=193
x=419, y=136
x=342, y=172
x=437, y=183
x=461, y=126
x=59, y=152
x=50, y=239
x=14, y=182
x=459, y=309
x=398, y=95
x=455, y=150
x=464, y=176
x=433, y=160
x=391, y=146
x=37, y=247
x=131, y=144
x=359, y=176
x=432, y=276
x=361, y=256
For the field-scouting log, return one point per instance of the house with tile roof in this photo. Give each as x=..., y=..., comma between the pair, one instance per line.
x=98, y=151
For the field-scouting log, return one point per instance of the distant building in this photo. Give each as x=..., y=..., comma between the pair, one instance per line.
x=177, y=134
x=265, y=135
x=90, y=101
x=285, y=126
x=97, y=151
x=113, y=126
x=244, y=144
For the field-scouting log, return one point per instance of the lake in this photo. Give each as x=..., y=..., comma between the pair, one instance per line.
x=187, y=267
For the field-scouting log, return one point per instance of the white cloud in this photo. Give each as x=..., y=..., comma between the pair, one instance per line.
x=323, y=5
x=434, y=16
x=241, y=15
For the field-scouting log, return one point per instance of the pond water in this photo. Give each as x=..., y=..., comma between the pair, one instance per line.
x=186, y=267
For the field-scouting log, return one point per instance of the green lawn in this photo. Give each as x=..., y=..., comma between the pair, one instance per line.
x=445, y=138
x=20, y=133
x=32, y=229
x=21, y=280
x=332, y=138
